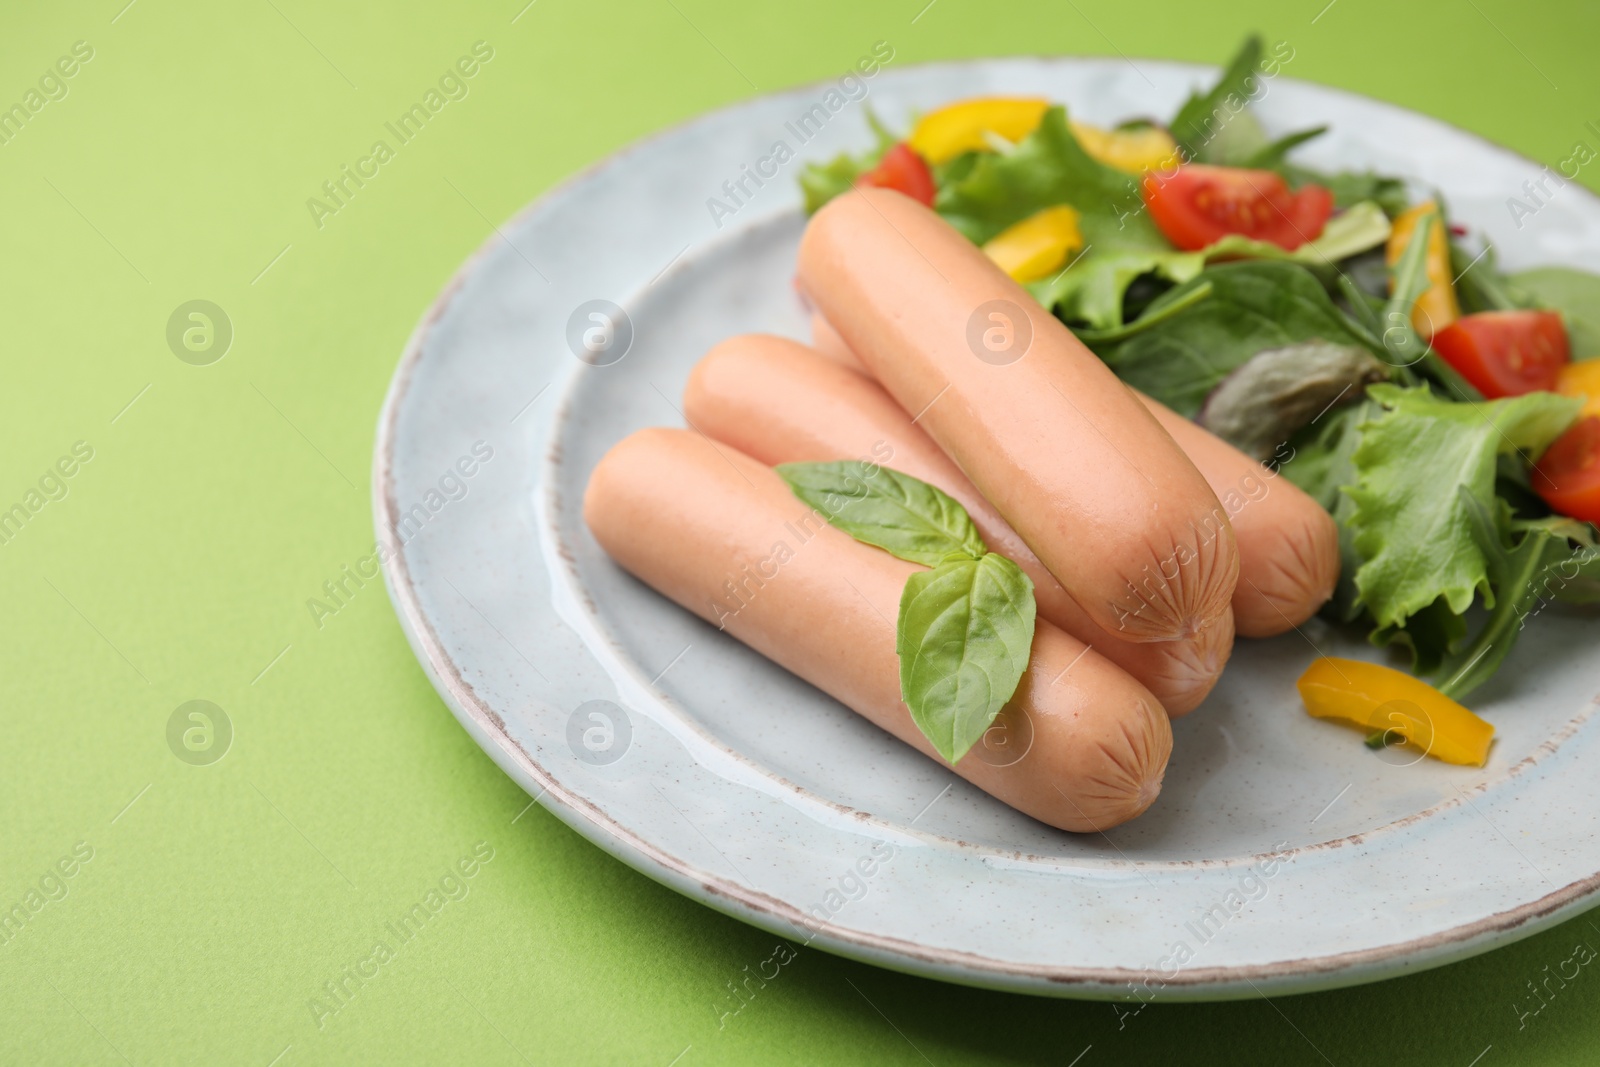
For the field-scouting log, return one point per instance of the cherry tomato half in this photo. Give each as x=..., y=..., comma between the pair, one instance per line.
x=1568, y=474
x=902, y=170
x=1506, y=353
x=1198, y=205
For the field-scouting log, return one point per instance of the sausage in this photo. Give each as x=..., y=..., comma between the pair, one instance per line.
x=1045, y=431
x=780, y=402
x=1288, y=545
x=722, y=535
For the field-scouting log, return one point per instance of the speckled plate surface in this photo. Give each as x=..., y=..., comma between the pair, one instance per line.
x=1281, y=856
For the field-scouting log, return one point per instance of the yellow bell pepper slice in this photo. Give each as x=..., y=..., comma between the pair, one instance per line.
x=1437, y=307
x=1582, y=379
x=1382, y=698
x=966, y=126
x=1037, y=245
x=1133, y=151
x=944, y=134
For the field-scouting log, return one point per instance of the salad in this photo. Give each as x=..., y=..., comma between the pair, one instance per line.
x=1336, y=326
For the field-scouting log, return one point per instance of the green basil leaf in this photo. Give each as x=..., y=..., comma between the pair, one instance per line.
x=964, y=636
x=896, y=512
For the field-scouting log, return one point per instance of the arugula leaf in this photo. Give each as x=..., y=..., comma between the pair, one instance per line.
x=1254, y=305
x=1273, y=155
x=1403, y=347
x=822, y=182
x=1518, y=575
x=1479, y=284
x=1410, y=524
x=1215, y=126
x=964, y=636
x=896, y=512
x=1352, y=187
x=1408, y=280
x=1574, y=293
x=1431, y=635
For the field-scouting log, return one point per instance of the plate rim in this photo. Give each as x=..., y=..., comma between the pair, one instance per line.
x=750, y=905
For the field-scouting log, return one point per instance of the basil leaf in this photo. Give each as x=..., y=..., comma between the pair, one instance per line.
x=964, y=636
x=895, y=512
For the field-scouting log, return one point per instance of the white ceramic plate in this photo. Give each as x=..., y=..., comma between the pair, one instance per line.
x=1281, y=856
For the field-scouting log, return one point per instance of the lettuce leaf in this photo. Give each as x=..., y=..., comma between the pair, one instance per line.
x=1422, y=465
x=1047, y=168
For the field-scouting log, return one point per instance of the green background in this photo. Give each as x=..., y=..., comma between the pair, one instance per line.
x=220, y=898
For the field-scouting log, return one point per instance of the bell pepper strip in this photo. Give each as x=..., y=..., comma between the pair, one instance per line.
x=1038, y=245
x=1437, y=307
x=944, y=134
x=971, y=125
x=1132, y=151
x=1582, y=379
x=1375, y=697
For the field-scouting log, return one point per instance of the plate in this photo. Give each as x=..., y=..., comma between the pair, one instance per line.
x=1282, y=855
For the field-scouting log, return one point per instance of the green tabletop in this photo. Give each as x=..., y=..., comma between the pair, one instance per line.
x=180, y=512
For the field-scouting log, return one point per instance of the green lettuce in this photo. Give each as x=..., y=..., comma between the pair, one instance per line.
x=1047, y=168
x=1422, y=466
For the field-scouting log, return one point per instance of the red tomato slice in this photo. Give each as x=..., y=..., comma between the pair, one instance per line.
x=1506, y=353
x=1198, y=205
x=902, y=170
x=1568, y=474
